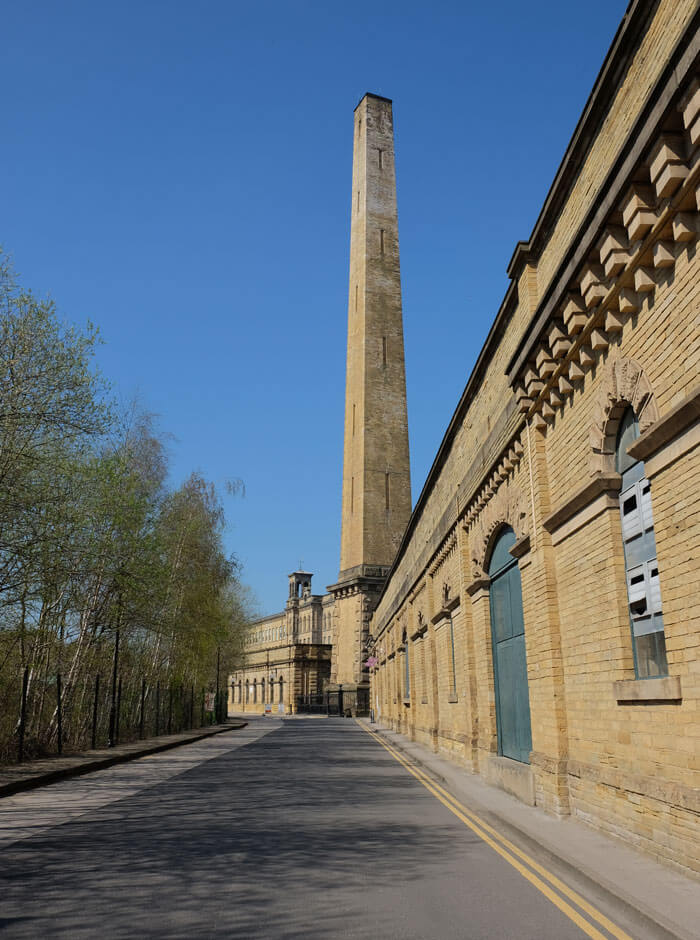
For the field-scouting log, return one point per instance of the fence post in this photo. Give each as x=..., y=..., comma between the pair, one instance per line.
x=143, y=705
x=113, y=703
x=59, y=712
x=119, y=708
x=22, y=715
x=157, y=709
x=95, y=705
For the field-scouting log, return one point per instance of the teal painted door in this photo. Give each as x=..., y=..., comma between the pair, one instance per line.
x=509, y=659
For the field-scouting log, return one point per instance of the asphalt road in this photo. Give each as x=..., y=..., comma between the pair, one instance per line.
x=301, y=828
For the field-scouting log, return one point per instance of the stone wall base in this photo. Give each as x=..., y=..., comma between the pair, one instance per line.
x=511, y=776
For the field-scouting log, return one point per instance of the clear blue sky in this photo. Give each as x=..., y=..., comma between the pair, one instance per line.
x=180, y=174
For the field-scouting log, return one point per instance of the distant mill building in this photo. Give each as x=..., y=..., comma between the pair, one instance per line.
x=287, y=655
x=536, y=615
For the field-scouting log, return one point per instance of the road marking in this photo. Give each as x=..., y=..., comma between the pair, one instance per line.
x=511, y=853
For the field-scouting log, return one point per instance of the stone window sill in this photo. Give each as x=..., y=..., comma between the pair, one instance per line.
x=663, y=689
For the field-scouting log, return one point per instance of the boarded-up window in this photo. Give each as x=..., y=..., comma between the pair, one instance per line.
x=641, y=566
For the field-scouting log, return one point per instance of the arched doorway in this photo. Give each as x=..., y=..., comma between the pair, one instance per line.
x=509, y=660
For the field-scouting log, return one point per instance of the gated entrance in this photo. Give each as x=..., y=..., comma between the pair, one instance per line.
x=509, y=660
x=338, y=703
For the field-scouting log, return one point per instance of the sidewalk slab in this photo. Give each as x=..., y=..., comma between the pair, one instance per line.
x=39, y=773
x=590, y=859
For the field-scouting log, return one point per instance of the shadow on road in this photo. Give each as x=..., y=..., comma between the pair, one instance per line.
x=289, y=836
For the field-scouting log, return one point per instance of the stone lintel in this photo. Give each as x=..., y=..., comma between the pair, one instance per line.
x=602, y=482
x=685, y=413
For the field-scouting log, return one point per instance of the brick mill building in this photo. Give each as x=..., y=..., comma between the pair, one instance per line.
x=540, y=622
x=537, y=616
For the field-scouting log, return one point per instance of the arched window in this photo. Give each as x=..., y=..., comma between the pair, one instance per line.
x=262, y=692
x=641, y=567
x=240, y=692
x=247, y=691
x=281, y=690
x=255, y=691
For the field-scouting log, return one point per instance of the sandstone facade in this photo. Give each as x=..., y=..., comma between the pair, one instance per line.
x=287, y=655
x=574, y=448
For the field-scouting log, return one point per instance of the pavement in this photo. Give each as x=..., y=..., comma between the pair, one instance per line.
x=17, y=778
x=591, y=861
x=309, y=829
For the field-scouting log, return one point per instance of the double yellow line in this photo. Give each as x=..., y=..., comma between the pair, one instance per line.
x=545, y=882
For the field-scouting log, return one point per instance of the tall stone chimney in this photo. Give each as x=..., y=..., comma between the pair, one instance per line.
x=376, y=475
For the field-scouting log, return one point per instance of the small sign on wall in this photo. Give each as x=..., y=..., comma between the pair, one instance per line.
x=280, y=708
x=268, y=709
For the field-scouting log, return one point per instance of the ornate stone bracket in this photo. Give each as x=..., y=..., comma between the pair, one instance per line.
x=508, y=507
x=624, y=383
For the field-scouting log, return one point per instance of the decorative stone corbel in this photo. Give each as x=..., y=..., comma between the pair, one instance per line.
x=667, y=164
x=639, y=211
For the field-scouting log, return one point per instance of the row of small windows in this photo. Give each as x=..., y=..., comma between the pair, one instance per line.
x=248, y=692
x=269, y=634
